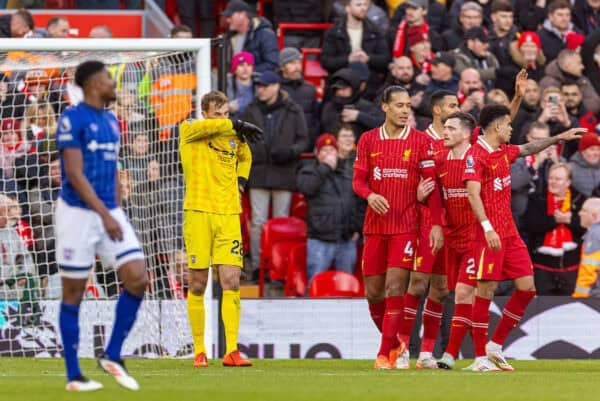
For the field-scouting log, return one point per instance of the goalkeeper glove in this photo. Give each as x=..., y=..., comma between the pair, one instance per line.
x=247, y=132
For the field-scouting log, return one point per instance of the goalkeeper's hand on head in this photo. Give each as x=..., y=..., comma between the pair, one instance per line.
x=247, y=132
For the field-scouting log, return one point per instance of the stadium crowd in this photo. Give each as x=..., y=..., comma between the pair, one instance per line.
x=467, y=52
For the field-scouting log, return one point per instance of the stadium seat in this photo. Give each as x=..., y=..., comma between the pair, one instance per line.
x=278, y=230
x=298, y=207
x=358, y=267
x=295, y=281
x=333, y=283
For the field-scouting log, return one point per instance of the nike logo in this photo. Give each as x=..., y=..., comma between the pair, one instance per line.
x=443, y=174
x=494, y=166
x=374, y=154
x=472, y=277
x=407, y=259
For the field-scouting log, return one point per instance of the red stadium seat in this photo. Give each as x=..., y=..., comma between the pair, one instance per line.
x=295, y=281
x=333, y=283
x=278, y=230
x=358, y=267
x=298, y=207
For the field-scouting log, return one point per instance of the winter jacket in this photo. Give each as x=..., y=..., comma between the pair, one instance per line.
x=552, y=40
x=453, y=36
x=333, y=211
x=275, y=158
x=305, y=95
x=336, y=48
x=585, y=177
x=465, y=58
x=506, y=73
x=499, y=46
x=528, y=16
x=583, y=17
x=587, y=55
x=556, y=77
x=525, y=115
x=262, y=43
x=436, y=20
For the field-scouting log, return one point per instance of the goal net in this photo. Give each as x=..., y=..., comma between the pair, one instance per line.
x=158, y=84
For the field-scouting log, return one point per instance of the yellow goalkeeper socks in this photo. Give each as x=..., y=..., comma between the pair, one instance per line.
x=230, y=312
x=195, y=306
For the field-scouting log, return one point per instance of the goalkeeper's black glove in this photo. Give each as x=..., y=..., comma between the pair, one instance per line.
x=246, y=131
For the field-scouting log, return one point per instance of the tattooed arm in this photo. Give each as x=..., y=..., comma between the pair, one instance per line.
x=541, y=144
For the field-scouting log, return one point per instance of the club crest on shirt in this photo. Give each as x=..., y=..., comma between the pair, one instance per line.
x=232, y=144
x=406, y=155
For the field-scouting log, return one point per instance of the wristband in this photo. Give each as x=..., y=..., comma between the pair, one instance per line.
x=487, y=226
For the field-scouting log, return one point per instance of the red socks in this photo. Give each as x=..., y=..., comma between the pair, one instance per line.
x=512, y=313
x=411, y=303
x=432, y=320
x=480, y=321
x=461, y=323
x=377, y=310
x=391, y=321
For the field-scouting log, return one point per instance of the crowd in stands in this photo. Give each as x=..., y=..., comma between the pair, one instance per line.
x=473, y=49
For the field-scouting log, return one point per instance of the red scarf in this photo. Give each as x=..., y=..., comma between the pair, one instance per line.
x=425, y=66
x=559, y=240
x=400, y=41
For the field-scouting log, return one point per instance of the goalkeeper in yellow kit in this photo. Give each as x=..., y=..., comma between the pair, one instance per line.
x=216, y=163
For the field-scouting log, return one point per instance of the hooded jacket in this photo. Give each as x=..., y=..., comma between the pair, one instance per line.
x=586, y=177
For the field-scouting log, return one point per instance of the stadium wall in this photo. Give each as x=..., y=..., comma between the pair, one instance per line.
x=554, y=327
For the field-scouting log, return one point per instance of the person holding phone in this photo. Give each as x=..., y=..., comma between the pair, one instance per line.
x=553, y=112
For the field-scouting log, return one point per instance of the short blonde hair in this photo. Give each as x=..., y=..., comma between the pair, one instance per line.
x=558, y=165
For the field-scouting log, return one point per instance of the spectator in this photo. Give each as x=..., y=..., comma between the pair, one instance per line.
x=442, y=79
x=590, y=53
x=125, y=186
x=574, y=40
x=17, y=271
x=13, y=146
x=58, y=27
x=306, y=11
x=527, y=112
x=346, y=105
x=41, y=200
x=64, y=92
x=101, y=32
x=333, y=219
x=554, y=232
x=530, y=173
x=497, y=96
x=576, y=108
x=471, y=16
x=586, y=165
x=530, y=14
x=179, y=274
x=275, y=159
x=568, y=68
x=138, y=155
x=471, y=94
x=203, y=10
x=301, y=92
x=355, y=39
x=419, y=49
x=156, y=206
x=11, y=102
x=181, y=31
x=36, y=84
x=526, y=52
x=252, y=34
x=240, y=88
x=555, y=27
x=412, y=14
x=587, y=277
x=375, y=15
x=402, y=73
x=586, y=15
x=473, y=53
x=39, y=123
x=503, y=31
x=17, y=25
x=346, y=146
x=125, y=109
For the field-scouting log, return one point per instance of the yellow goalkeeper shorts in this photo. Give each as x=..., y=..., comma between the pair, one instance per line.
x=212, y=239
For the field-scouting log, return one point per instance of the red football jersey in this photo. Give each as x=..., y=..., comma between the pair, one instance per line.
x=460, y=220
x=492, y=169
x=392, y=168
x=438, y=150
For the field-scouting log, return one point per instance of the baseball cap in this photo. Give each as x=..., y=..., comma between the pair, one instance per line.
x=239, y=58
x=417, y=3
x=325, y=140
x=268, y=78
x=444, y=58
x=477, y=33
x=235, y=6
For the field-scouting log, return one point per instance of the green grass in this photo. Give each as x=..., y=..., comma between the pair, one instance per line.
x=311, y=380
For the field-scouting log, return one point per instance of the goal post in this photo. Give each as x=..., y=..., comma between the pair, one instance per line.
x=159, y=82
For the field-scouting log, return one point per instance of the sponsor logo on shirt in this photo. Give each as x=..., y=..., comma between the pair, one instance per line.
x=501, y=183
x=93, y=146
x=379, y=173
x=455, y=193
x=373, y=154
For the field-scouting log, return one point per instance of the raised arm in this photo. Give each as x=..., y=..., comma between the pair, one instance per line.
x=195, y=130
x=520, y=81
x=541, y=144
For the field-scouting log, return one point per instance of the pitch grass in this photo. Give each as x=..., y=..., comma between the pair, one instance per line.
x=311, y=380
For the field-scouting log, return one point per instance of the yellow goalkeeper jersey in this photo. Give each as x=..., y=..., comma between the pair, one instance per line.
x=213, y=158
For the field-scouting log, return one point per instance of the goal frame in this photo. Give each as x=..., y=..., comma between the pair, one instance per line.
x=202, y=48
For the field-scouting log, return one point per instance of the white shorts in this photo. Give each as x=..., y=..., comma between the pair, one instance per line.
x=80, y=236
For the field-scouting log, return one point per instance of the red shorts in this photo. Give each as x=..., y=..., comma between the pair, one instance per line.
x=426, y=261
x=510, y=262
x=460, y=266
x=383, y=251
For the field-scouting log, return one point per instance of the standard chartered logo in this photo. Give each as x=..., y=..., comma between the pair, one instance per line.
x=377, y=173
x=497, y=184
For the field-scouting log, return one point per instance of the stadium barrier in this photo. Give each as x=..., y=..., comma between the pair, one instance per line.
x=553, y=327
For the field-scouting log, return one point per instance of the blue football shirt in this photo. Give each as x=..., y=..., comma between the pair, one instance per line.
x=96, y=133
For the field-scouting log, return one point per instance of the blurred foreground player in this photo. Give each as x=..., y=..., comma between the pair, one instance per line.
x=89, y=222
x=499, y=251
x=389, y=162
x=216, y=163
